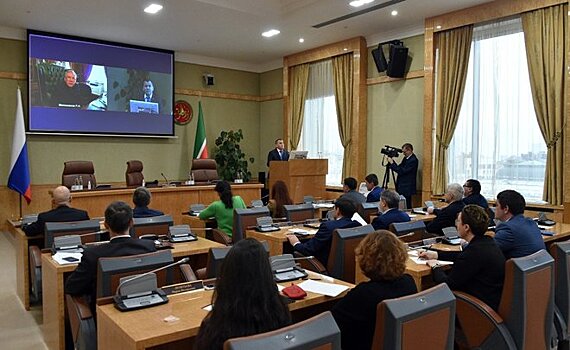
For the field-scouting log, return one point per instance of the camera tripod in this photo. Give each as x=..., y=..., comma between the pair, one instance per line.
x=387, y=173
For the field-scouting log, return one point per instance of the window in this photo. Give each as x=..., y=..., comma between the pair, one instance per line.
x=320, y=134
x=497, y=139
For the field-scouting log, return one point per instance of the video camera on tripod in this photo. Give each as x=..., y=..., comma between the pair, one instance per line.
x=391, y=152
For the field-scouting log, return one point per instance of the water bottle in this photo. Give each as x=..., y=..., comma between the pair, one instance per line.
x=402, y=205
x=89, y=185
x=80, y=182
x=143, y=183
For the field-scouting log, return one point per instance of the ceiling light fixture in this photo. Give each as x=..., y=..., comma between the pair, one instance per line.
x=394, y=13
x=358, y=3
x=153, y=8
x=270, y=33
x=301, y=40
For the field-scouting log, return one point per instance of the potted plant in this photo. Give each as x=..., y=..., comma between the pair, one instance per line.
x=230, y=158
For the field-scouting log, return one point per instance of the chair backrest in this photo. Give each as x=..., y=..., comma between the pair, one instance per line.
x=561, y=254
x=133, y=174
x=216, y=257
x=341, y=263
x=408, y=231
x=299, y=212
x=244, y=219
x=56, y=229
x=49, y=76
x=367, y=209
x=72, y=170
x=111, y=270
x=318, y=332
x=527, y=302
x=411, y=322
x=157, y=225
x=204, y=170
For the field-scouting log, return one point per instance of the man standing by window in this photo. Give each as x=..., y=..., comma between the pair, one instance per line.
x=406, y=182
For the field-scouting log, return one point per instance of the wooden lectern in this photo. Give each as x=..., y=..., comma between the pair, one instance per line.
x=303, y=177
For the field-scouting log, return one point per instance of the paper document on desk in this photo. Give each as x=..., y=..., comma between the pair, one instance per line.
x=323, y=205
x=67, y=258
x=356, y=217
x=419, y=261
x=302, y=232
x=332, y=290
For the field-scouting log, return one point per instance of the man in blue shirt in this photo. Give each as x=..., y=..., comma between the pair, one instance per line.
x=516, y=235
x=389, y=202
x=372, y=186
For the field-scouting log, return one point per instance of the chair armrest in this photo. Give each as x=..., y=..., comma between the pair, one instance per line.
x=188, y=273
x=220, y=237
x=35, y=256
x=480, y=325
x=310, y=264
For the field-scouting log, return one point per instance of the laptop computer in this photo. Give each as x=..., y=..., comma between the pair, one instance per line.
x=143, y=107
x=451, y=235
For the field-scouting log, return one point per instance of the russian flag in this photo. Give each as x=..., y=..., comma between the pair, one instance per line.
x=19, y=178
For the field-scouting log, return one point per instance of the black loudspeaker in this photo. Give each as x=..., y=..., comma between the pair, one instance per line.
x=379, y=59
x=261, y=177
x=398, y=61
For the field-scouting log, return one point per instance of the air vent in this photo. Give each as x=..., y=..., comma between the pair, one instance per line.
x=357, y=13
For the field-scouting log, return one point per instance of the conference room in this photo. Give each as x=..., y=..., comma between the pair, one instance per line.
x=236, y=79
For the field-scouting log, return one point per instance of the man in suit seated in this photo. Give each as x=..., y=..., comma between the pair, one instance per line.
x=372, y=186
x=350, y=193
x=472, y=195
x=320, y=245
x=118, y=220
x=279, y=153
x=516, y=235
x=389, y=202
x=141, y=198
x=445, y=217
x=61, y=212
x=69, y=93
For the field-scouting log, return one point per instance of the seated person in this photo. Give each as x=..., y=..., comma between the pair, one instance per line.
x=472, y=195
x=479, y=270
x=279, y=198
x=349, y=188
x=70, y=94
x=445, y=217
x=372, y=186
x=389, y=202
x=141, y=198
x=320, y=244
x=223, y=210
x=238, y=310
x=516, y=235
x=382, y=258
x=118, y=220
x=61, y=212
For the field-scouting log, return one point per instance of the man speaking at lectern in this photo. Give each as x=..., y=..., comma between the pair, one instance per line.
x=278, y=153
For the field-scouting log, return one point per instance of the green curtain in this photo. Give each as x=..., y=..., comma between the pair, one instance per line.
x=343, y=83
x=299, y=78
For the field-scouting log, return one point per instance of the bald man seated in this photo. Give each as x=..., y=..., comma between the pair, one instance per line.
x=61, y=212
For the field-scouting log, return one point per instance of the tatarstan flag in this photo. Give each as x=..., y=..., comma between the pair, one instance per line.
x=200, y=145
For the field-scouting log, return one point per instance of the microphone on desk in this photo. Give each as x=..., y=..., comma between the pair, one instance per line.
x=285, y=269
x=165, y=179
x=141, y=290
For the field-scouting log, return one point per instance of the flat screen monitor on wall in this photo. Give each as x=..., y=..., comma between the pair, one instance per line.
x=92, y=87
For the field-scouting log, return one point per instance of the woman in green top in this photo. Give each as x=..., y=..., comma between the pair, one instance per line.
x=223, y=210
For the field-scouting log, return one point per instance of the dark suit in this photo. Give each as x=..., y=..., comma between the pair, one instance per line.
x=355, y=197
x=79, y=95
x=481, y=201
x=145, y=212
x=274, y=155
x=320, y=244
x=445, y=217
x=479, y=270
x=406, y=182
x=83, y=281
x=355, y=314
x=63, y=213
x=374, y=195
x=383, y=221
x=518, y=237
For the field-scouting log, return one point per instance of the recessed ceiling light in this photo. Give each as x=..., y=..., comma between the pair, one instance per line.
x=270, y=33
x=394, y=13
x=301, y=40
x=153, y=8
x=358, y=3
x=437, y=27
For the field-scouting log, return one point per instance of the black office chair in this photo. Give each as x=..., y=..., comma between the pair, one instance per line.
x=561, y=254
x=410, y=231
x=299, y=212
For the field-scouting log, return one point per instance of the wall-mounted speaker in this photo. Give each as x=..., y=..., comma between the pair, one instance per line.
x=208, y=79
x=379, y=59
x=398, y=61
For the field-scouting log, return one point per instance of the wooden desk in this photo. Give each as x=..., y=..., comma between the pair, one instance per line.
x=171, y=200
x=53, y=279
x=200, y=225
x=561, y=233
x=124, y=331
x=276, y=239
x=22, y=261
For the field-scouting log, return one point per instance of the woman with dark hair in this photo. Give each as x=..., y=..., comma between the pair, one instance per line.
x=382, y=257
x=279, y=197
x=241, y=310
x=223, y=209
